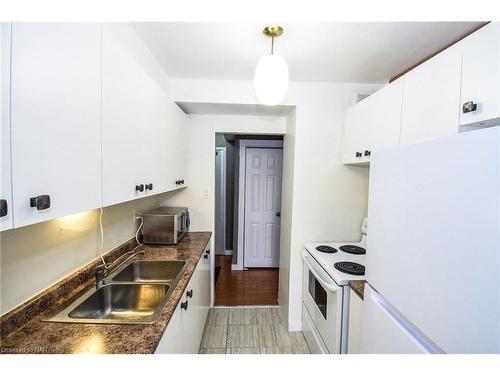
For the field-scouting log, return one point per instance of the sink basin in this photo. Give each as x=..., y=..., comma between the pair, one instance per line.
x=133, y=294
x=117, y=304
x=122, y=301
x=149, y=271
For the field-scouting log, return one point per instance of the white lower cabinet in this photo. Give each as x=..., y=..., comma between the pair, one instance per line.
x=185, y=329
x=355, y=324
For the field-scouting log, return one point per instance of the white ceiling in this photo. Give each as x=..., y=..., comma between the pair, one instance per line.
x=335, y=52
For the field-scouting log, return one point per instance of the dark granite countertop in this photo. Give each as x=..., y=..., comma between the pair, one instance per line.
x=23, y=330
x=358, y=286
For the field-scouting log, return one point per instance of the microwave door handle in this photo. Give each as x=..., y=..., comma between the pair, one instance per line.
x=332, y=287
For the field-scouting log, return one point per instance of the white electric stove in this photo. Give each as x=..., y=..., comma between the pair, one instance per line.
x=328, y=268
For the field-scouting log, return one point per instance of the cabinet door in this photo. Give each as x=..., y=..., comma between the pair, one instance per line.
x=203, y=289
x=356, y=132
x=431, y=98
x=481, y=74
x=176, y=152
x=140, y=141
x=5, y=183
x=125, y=122
x=385, y=116
x=170, y=342
x=55, y=119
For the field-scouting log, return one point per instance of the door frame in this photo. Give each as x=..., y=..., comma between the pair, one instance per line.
x=222, y=201
x=243, y=145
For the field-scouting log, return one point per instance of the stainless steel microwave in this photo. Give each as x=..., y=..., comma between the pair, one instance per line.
x=165, y=225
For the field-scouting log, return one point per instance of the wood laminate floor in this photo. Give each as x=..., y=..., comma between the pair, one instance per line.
x=255, y=286
x=250, y=330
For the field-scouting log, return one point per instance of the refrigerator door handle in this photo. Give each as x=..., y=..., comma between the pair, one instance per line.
x=330, y=286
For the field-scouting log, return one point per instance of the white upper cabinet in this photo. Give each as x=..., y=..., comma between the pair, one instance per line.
x=385, y=126
x=5, y=183
x=372, y=124
x=55, y=120
x=481, y=76
x=356, y=132
x=143, y=129
x=431, y=99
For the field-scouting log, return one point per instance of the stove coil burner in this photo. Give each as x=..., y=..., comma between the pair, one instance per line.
x=351, y=268
x=353, y=249
x=326, y=249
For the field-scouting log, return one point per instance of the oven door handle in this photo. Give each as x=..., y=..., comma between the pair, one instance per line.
x=331, y=286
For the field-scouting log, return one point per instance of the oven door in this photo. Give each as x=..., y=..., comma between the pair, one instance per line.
x=322, y=298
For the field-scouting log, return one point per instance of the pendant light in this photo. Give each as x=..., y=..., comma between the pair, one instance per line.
x=271, y=73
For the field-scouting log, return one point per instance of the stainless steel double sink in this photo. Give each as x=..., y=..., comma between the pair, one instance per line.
x=133, y=294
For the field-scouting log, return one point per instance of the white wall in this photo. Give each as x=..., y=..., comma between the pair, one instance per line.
x=201, y=160
x=328, y=200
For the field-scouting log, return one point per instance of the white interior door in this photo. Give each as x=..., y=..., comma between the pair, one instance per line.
x=262, y=207
x=220, y=200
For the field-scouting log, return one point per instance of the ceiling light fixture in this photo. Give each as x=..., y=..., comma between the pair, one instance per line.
x=271, y=73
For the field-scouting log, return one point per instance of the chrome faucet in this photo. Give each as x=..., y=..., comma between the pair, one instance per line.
x=103, y=270
x=100, y=273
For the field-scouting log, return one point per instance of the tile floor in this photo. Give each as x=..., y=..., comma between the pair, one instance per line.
x=259, y=330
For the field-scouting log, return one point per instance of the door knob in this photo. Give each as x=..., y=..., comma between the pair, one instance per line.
x=278, y=214
x=41, y=202
x=469, y=107
x=3, y=207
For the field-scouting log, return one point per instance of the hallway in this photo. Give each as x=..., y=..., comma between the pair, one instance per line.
x=255, y=286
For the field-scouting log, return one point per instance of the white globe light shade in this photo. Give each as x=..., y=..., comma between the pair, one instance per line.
x=271, y=79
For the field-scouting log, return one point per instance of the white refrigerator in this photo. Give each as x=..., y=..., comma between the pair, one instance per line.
x=433, y=250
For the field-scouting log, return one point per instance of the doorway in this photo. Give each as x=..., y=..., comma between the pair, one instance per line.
x=247, y=219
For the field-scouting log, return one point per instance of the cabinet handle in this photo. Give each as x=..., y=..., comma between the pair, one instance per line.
x=149, y=186
x=41, y=202
x=184, y=305
x=469, y=107
x=182, y=182
x=4, y=209
x=189, y=294
x=367, y=153
x=139, y=188
x=358, y=154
